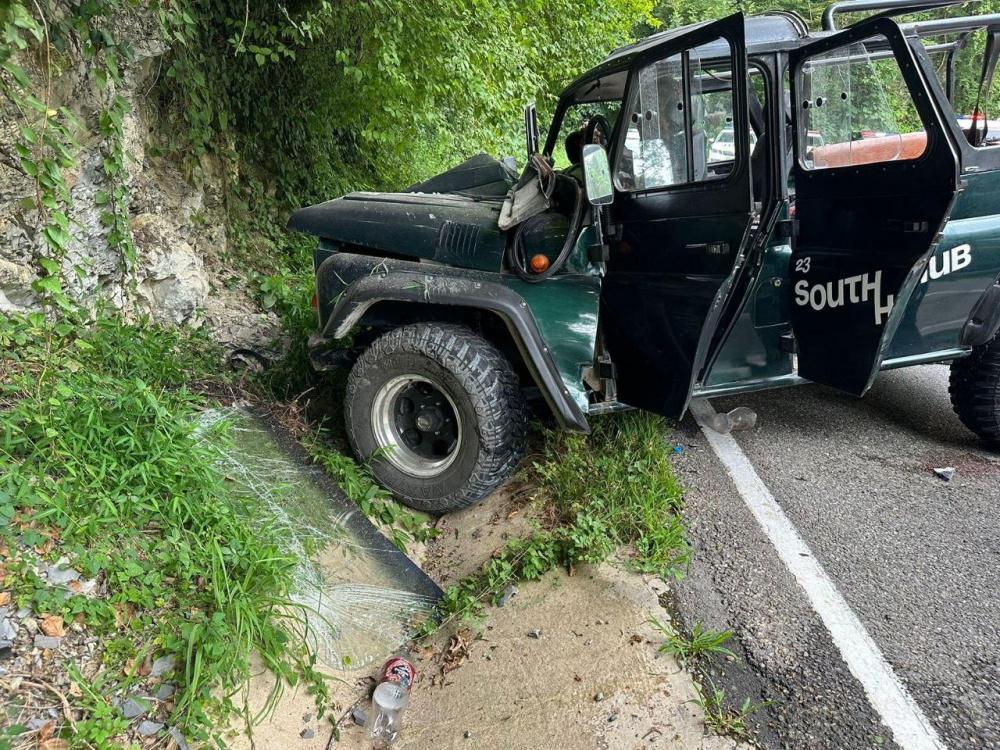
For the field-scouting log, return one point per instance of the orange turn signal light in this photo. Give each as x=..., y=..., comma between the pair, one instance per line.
x=539, y=263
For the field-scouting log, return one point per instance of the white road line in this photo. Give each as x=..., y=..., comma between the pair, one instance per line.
x=910, y=728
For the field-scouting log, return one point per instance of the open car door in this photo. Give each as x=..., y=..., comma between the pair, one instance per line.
x=683, y=211
x=875, y=175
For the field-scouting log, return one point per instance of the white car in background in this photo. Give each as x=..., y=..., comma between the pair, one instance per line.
x=724, y=146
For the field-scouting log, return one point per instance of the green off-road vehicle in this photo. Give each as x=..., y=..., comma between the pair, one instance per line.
x=721, y=208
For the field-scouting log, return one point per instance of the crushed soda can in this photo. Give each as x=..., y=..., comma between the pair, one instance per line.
x=400, y=670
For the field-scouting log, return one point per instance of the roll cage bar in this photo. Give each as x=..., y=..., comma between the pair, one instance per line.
x=887, y=8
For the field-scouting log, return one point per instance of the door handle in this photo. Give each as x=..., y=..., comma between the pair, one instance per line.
x=709, y=248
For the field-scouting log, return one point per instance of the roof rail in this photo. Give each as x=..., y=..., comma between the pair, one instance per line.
x=938, y=26
x=887, y=8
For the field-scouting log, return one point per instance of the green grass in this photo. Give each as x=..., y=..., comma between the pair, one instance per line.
x=612, y=490
x=403, y=526
x=722, y=718
x=621, y=475
x=701, y=642
x=100, y=449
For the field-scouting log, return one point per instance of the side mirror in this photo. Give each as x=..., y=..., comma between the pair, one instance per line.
x=597, y=175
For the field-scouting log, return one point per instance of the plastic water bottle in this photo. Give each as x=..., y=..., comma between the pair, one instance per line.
x=740, y=418
x=743, y=418
x=388, y=701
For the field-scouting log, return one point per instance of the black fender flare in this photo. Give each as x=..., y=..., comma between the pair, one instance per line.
x=984, y=320
x=366, y=281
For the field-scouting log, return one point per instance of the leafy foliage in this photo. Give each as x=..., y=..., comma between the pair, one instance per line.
x=101, y=448
x=337, y=96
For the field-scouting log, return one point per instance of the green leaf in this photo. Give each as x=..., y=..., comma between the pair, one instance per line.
x=49, y=266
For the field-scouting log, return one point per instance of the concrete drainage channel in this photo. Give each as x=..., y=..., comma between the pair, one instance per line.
x=365, y=594
x=570, y=661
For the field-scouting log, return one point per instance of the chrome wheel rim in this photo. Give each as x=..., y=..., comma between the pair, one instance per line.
x=416, y=425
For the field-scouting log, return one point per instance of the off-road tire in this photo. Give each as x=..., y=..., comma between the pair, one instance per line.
x=975, y=391
x=481, y=385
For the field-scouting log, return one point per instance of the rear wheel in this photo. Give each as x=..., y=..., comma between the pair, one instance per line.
x=438, y=413
x=975, y=391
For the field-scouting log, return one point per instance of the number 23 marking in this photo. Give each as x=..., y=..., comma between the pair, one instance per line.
x=802, y=265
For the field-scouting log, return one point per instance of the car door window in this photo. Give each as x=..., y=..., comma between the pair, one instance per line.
x=855, y=109
x=679, y=107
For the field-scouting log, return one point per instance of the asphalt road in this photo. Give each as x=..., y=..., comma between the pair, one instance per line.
x=916, y=559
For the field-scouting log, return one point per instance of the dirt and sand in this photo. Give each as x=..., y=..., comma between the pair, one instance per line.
x=568, y=662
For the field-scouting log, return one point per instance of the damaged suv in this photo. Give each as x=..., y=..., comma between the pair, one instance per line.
x=852, y=227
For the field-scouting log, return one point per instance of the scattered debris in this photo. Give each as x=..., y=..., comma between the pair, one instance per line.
x=61, y=574
x=358, y=716
x=139, y=666
x=166, y=690
x=456, y=652
x=945, y=473
x=8, y=629
x=133, y=708
x=740, y=418
x=536, y=633
x=508, y=594
x=163, y=665
x=612, y=718
x=47, y=642
x=178, y=738
x=467, y=734
x=53, y=625
x=307, y=733
x=148, y=728
x=599, y=698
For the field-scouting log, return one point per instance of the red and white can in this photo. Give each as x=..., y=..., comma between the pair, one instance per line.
x=400, y=670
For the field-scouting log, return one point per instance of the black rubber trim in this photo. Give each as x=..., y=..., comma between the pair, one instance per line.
x=984, y=320
x=404, y=281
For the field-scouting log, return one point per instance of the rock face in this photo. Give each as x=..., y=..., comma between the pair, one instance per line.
x=177, y=218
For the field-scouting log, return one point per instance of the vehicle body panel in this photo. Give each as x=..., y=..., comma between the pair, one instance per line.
x=940, y=306
x=554, y=324
x=752, y=351
x=447, y=228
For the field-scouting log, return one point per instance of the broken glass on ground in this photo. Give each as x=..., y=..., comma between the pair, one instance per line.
x=360, y=597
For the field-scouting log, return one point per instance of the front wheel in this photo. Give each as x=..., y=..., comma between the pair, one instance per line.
x=437, y=412
x=975, y=391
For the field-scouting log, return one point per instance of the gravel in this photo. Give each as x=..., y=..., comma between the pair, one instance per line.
x=59, y=574
x=149, y=728
x=133, y=708
x=165, y=690
x=47, y=642
x=163, y=665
